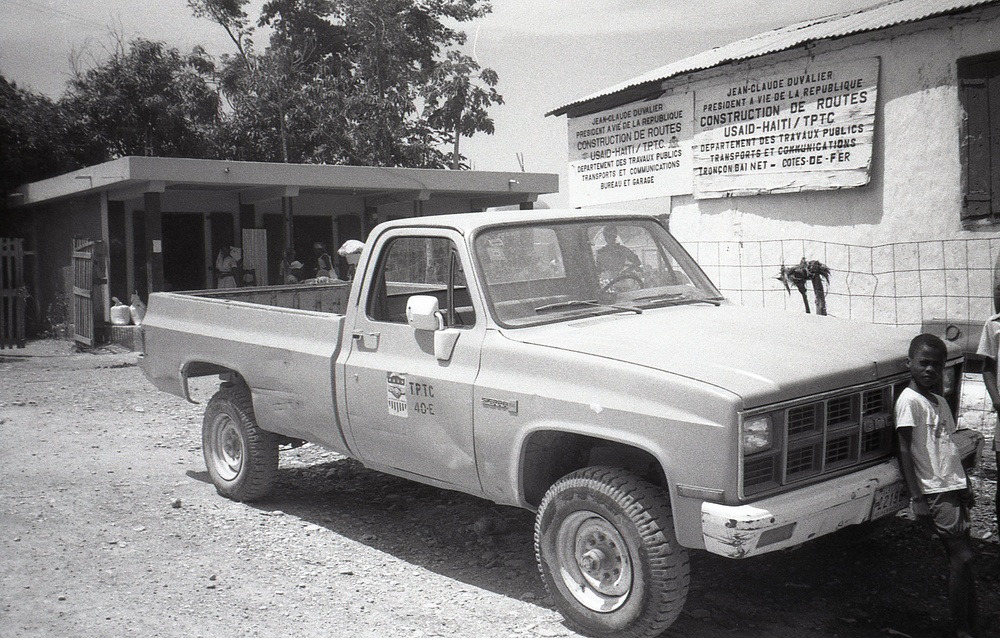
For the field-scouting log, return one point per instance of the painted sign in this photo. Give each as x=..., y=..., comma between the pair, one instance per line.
x=395, y=386
x=636, y=151
x=809, y=127
x=406, y=394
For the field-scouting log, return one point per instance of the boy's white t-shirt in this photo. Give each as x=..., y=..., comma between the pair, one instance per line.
x=989, y=346
x=936, y=459
x=989, y=340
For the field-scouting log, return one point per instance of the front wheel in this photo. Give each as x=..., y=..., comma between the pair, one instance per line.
x=241, y=458
x=605, y=545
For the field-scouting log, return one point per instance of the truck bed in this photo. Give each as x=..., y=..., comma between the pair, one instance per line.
x=318, y=297
x=281, y=340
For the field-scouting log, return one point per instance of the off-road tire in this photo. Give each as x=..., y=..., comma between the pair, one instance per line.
x=605, y=544
x=241, y=458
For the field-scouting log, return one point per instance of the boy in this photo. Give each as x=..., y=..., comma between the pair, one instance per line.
x=989, y=349
x=932, y=467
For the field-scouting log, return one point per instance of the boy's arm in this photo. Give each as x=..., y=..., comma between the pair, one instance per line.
x=990, y=380
x=919, y=504
x=987, y=349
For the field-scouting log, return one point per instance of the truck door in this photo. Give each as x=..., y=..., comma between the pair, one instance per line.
x=406, y=409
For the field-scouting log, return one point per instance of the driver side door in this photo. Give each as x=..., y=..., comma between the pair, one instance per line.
x=408, y=410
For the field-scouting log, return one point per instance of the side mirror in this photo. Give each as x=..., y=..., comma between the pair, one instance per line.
x=422, y=313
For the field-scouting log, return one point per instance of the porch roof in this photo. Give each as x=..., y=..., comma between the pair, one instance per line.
x=129, y=177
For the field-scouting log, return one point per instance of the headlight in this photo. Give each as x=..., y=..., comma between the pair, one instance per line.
x=757, y=434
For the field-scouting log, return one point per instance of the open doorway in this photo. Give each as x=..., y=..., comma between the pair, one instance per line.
x=183, y=251
x=310, y=229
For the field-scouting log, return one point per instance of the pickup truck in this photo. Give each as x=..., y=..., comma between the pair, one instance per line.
x=575, y=363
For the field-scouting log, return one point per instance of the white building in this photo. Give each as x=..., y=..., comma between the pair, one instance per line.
x=869, y=141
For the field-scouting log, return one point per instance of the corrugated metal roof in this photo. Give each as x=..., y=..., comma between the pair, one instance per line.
x=873, y=18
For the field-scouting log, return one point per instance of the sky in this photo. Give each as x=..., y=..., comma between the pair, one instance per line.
x=547, y=53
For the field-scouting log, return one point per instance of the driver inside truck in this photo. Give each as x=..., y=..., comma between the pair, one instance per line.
x=614, y=258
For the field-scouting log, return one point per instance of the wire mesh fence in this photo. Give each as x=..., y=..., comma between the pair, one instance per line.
x=906, y=284
x=900, y=284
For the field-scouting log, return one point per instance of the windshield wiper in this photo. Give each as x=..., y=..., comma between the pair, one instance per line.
x=678, y=297
x=710, y=300
x=592, y=303
x=668, y=296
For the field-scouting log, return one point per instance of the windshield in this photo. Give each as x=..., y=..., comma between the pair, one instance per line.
x=555, y=271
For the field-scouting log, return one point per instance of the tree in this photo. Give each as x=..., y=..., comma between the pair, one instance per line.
x=456, y=104
x=266, y=89
x=341, y=80
x=228, y=14
x=148, y=99
x=38, y=139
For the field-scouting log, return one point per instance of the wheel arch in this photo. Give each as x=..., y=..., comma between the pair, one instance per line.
x=196, y=368
x=548, y=455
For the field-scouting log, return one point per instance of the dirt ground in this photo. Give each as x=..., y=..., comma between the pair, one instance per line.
x=110, y=527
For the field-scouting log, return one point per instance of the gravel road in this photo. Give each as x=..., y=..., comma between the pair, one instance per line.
x=110, y=527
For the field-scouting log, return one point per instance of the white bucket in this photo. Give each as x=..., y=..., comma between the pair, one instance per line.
x=120, y=315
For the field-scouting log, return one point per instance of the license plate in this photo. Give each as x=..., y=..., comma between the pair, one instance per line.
x=889, y=499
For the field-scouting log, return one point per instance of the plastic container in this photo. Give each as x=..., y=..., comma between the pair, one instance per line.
x=137, y=310
x=121, y=315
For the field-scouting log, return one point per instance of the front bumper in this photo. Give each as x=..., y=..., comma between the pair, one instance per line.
x=790, y=519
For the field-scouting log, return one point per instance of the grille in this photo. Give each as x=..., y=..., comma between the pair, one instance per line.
x=802, y=420
x=759, y=472
x=874, y=401
x=840, y=411
x=823, y=436
x=802, y=461
x=840, y=449
x=874, y=441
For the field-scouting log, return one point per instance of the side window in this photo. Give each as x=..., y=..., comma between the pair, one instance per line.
x=979, y=91
x=420, y=266
x=521, y=254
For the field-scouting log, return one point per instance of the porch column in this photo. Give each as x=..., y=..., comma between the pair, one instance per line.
x=154, y=240
x=288, y=217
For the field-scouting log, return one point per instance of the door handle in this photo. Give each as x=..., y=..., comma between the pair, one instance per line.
x=363, y=337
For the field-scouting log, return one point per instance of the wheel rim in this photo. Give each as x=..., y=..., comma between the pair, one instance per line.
x=227, y=448
x=594, y=561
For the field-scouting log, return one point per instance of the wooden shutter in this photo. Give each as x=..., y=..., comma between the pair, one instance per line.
x=979, y=91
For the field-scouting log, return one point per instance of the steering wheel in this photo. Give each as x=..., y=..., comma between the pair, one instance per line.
x=626, y=274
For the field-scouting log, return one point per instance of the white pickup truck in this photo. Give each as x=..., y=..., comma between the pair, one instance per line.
x=575, y=363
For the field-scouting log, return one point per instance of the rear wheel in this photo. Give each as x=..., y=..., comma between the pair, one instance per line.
x=241, y=458
x=606, y=548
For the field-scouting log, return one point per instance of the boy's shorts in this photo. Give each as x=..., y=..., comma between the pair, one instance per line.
x=949, y=516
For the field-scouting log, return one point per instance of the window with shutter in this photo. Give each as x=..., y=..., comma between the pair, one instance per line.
x=979, y=91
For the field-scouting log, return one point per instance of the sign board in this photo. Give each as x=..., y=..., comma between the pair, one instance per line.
x=636, y=151
x=808, y=127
